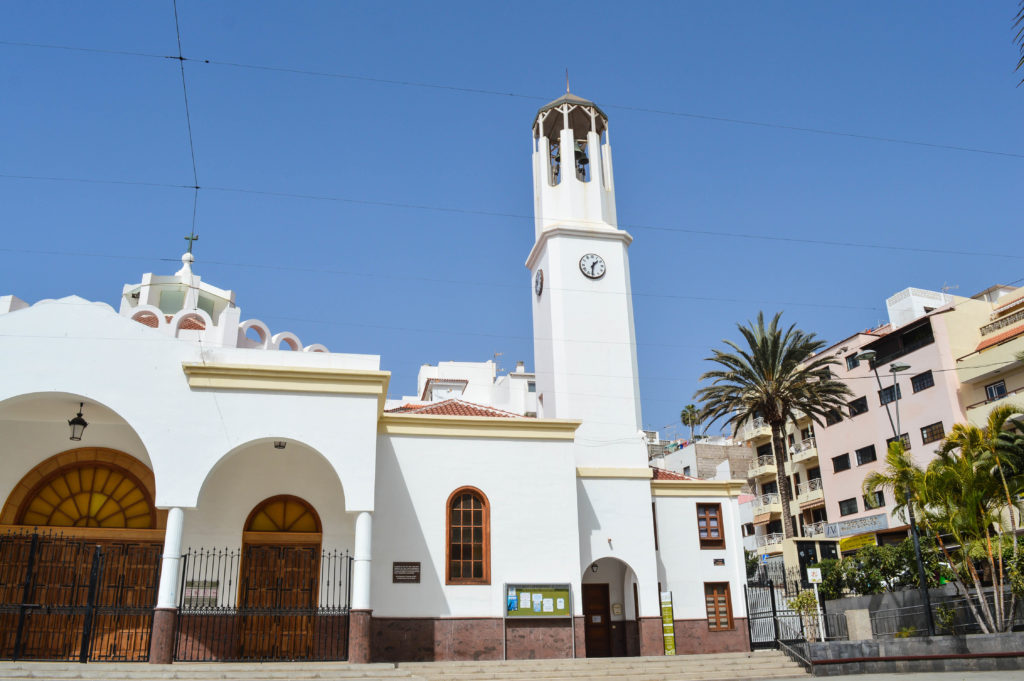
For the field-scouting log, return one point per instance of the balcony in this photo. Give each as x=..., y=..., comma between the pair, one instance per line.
x=761, y=466
x=977, y=413
x=810, y=491
x=770, y=543
x=815, y=529
x=804, y=452
x=757, y=429
x=767, y=503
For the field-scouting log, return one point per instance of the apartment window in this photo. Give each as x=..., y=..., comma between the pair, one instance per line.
x=792, y=439
x=932, y=433
x=748, y=530
x=858, y=406
x=852, y=362
x=866, y=455
x=995, y=391
x=905, y=438
x=719, y=605
x=814, y=473
x=922, y=381
x=818, y=515
x=686, y=470
x=770, y=488
x=887, y=395
x=764, y=450
x=709, y=526
x=469, y=550
x=806, y=433
x=832, y=417
x=875, y=500
x=531, y=386
x=848, y=506
x=840, y=463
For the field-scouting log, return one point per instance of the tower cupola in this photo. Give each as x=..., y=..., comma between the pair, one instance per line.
x=572, y=166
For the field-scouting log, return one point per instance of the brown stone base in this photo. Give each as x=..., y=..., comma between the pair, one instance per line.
x=450, y=638
x=360, y=623
x=161, y=640
x=652, y=637
x=693, y=636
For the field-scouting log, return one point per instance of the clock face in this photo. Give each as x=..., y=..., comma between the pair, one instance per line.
x=538, y=282
x=592, y=266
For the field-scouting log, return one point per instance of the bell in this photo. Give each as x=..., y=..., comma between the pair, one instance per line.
x=581, y=155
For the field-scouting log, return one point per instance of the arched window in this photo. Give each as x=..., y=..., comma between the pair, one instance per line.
x=469, y=537
x=89, y=494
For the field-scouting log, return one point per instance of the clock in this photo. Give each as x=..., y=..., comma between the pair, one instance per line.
x=538, y=282
x=592, y=266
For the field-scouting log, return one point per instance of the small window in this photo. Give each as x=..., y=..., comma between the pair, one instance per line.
x=748, y=530
x=719, y=606
x=792, y=439
x=709, y=526
x=922, y=381
x=848, y=506
x=906, y=442
x=858, y=406
x=832, y=417
x=686, y=470
x=531, y=386
x=469, y=540
x=995, y=391
x=866, y=455
x=887, y=395
x=841, y=463
x=852, y=362
x=932, y=433
x=876, y=500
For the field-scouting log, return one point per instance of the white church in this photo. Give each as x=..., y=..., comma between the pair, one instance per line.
x=182, y=484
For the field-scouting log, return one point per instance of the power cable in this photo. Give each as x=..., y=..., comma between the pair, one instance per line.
x=188, y=122
x=519, y=216
x=519, y=95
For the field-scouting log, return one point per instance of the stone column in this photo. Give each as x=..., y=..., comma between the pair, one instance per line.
x=165, y=615
x=359, y=610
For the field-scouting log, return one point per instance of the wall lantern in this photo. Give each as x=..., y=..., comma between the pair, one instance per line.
x=78, y=424
x=593, y=568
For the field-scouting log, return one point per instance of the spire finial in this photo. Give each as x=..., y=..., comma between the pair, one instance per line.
x=567, y=80
x=191, y=238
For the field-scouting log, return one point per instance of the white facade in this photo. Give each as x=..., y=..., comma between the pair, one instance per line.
x=219, y=419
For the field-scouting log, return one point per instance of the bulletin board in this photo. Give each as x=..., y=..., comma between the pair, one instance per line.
x=538, y=600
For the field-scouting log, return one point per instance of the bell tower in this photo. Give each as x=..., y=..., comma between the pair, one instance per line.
x=584, y=337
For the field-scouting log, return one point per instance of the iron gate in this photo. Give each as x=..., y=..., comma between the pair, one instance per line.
x=264, y=603
x=770, y=619
x=70, y=599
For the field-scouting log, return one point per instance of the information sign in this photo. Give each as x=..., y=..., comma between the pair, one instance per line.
x=405, y=573
x=538, y=600
x=668, y=624
x=814, y=575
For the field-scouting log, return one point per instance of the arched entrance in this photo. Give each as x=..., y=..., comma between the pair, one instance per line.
x=280, y=572
x=80, y=559
x=610, y=609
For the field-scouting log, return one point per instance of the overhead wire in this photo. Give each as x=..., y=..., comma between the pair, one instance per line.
x=188, y=122
x=519, y=95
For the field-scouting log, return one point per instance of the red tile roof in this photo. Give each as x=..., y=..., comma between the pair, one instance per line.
x=662, y=474
x=1000, y=337
x=452, y=407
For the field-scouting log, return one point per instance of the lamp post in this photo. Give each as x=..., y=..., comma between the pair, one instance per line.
x=922, y=581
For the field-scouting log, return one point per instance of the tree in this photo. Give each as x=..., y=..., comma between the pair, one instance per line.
x=777, y=375
x=691, y=416
x=966, y=497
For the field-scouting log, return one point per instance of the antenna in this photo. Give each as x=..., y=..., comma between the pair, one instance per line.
x=946, y=288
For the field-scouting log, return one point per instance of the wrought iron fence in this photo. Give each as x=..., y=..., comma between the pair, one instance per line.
x=770, y=620
x=952, y=616
x=264, y=603
x=69, y=599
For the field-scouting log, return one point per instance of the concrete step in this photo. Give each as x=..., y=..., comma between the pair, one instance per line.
x=604, y=662
x=52, y=671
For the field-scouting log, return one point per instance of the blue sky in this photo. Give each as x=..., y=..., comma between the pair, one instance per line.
x=417, y=285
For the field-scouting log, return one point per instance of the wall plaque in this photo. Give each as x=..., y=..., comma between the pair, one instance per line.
x=405, y=573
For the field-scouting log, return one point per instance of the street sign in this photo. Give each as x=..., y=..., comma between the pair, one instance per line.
x=814, y=575
x=764, y=559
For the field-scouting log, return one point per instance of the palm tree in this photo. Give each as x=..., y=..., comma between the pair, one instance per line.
x=691, y=416
x=901, y=477
x=1018, y=24
x=777, y=375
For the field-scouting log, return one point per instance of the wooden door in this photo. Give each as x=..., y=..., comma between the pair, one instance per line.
x=279, y=588
x=596, y=616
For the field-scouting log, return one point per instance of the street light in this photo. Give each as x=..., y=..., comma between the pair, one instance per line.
x=922, y=582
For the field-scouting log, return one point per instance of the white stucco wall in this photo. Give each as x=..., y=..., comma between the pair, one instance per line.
x=530, y=486
x=683, y=567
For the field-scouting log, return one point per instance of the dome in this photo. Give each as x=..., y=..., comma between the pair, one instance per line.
x=579, y=119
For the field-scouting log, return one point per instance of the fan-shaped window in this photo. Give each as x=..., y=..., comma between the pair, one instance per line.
x=92, y=494
x=469, y=538
x=283, y=514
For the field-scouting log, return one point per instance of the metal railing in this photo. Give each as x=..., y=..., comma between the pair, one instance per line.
x=810, y=487
x=804, y=445
x=766, y=500
x=1002, y=323
x=263, y=603
x=769, y=539
x=764, y=461
x=815, y=529
x=952, y=616
x=754, y=426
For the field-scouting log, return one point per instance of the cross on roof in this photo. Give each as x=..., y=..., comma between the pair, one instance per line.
x=191, y=238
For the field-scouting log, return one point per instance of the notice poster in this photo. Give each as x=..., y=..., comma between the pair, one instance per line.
x=512, y=600
x=537, y=598
x=668, y=625
x=524, y=600
x=549, y=605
